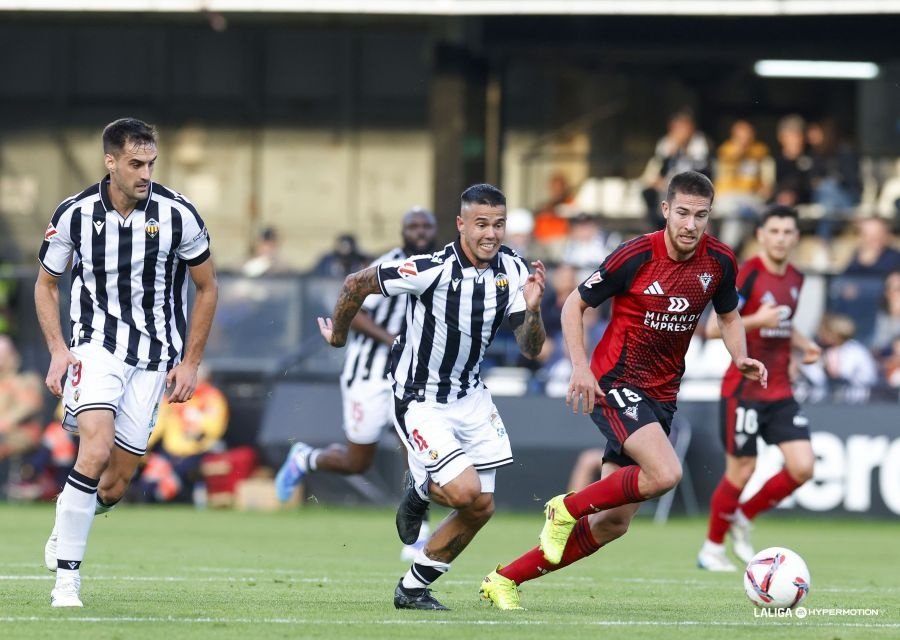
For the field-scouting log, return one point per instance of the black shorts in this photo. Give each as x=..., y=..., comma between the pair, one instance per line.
x=776, y=421
x=621, y=412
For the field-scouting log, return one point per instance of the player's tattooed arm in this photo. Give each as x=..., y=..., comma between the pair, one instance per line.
x=530, y=335
x=356, y=287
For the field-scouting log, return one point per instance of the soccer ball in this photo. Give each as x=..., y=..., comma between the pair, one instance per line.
x=776, y=578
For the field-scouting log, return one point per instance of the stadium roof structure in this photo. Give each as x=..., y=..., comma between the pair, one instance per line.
x=473, y=7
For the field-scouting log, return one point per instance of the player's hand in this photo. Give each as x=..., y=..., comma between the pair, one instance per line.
x=753, y=370
x=534, y=286
x=768, y=315
x=811, y=353
x=327, y=330
x=583, y=387
x=181, y=382
x=60, y=361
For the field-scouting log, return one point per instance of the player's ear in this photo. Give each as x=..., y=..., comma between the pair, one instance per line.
x=664, y=207
x=109, y=161
x=459, y=223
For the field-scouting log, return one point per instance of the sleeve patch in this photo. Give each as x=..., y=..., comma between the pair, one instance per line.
x=408, y=269
x=595, y=278
x=50, y=232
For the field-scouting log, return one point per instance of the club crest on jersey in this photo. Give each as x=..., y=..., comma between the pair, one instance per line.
x=595, y=278
x=151, y=227
x=408, y=269
x=632, y=412
x=705, y=279
x=50, y=232
x=501, y=281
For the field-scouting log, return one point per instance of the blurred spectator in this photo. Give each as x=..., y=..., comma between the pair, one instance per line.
x=519, y=226
x=551, y=224
x=744, y=179
x=858, y=291
x=683, y=148
x=586, y=469
x=266, y=255
x=887, y=322
x=793, y=165
x=183, y=433
x=43, y=472
x=8, y=295
x=343, y=260
x=21, y=404
x=890, y=364
x=562, y=281
x=837, y=184
x=874, y=254
x=587, y=244
x=847, y=368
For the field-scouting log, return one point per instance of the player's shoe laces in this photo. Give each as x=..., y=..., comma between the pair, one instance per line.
x=502, y=592
x=411, y=512
x=50, y=546
x=712, y=558
x=292, y=471
x=557, y=527
x=416, y=599
x=740, y=536
x=66, y=593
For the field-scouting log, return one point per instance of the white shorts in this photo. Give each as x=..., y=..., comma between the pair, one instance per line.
x=102, y=381
x=368, y=409
x=443, y=439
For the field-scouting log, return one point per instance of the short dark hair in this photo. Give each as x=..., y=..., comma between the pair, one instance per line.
x=690, y=183
x=123, y=130
x=483, y=194
x=779, y=211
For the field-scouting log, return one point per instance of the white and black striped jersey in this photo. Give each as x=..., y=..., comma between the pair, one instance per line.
x=453, y=313
x=129, y=275
x=368, y=358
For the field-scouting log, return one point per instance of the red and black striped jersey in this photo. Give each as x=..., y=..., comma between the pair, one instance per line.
x=758, y=286
x=657, y=303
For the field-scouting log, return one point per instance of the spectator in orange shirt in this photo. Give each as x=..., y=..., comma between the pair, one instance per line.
x=183, y=433
x=21, y=403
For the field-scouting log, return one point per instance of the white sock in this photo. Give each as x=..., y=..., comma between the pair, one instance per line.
x=312, y=459
x=424, y=571
x=76, y=514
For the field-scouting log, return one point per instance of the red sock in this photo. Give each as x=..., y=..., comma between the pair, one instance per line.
x=723, y=503
x=531, y=564
x=616, y=489
x=776, y=489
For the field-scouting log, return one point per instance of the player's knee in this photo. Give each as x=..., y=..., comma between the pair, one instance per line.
x=800, y=471
x=461, y=496
x=482, y=508
x=664, y=479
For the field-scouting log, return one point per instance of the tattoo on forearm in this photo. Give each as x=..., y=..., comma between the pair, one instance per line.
x=356, y=287
x=452, y=549
x=530, y=334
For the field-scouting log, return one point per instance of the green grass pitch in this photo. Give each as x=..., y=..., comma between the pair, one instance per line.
x=319, y=572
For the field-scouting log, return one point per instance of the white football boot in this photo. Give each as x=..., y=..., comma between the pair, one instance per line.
x=67, y=592
x=740, y=536
x=712, y=558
